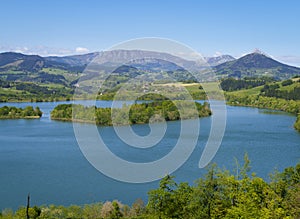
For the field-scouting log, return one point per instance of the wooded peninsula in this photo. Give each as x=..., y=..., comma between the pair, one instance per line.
x=139, y=113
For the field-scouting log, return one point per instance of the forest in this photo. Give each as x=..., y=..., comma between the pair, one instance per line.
x=139, y=113
x=232, y=84
x=274, y=90
x=11, y=112
x=17, y=91
x=287, y=89
x=220, y=193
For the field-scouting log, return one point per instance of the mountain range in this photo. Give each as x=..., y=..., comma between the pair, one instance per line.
x=67, y=69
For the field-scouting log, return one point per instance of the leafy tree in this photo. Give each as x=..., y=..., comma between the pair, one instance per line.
x=169, y=200
x=138, y=113
x=12, y=112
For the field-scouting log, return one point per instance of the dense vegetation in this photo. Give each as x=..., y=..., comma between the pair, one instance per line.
x=218, y=194
x=287, y=89
x=297, y=123
x=282, y=91
x=11, y=112
x=257, y=100
x=138, y=113
x=12, y=91
x=232, y=84
x=267, y=93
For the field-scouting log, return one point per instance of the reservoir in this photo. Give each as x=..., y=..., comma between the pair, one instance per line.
x=42, y=157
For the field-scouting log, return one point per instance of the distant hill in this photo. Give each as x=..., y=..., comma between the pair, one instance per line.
x=11, y=61
x=21, y=62
x=66, y=70
x=154, y=65
x=256, y=64
x=153, y=70
x=75, y=60
x=133, y=57
x=213, y=61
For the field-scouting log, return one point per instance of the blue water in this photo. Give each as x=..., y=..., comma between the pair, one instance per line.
x=42, y=157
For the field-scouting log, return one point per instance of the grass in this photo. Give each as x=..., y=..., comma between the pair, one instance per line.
x=52, y=85
x=69, y=76
x=209, y=86
x=290, y=87
x=251, y=91
x=9, y=91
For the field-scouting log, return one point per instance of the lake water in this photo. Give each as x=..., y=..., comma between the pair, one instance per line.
x=42, y=157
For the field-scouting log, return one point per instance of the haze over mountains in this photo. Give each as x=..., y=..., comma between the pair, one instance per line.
x=16, y=66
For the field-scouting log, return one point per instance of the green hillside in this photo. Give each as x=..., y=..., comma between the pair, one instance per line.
x=256, y=65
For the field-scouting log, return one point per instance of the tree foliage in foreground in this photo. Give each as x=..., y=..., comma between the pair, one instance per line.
x=218, y=194
x=222, y=194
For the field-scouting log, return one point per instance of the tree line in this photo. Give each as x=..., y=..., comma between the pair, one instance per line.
x=11, y=112
x=220, y=193
x=290, y=106
x=138, y=113
x=273, y=90
x=232, y=84
x=29, y=91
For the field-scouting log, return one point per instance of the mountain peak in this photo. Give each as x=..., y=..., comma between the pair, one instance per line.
x=217, y=60
x=258, y=51
x=257, y=64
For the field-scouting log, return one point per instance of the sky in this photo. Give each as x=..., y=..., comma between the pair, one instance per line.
x=211, y=27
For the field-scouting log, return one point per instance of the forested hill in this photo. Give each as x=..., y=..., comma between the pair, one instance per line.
x=256, y=65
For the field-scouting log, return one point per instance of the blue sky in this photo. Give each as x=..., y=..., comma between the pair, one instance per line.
x=208, y=26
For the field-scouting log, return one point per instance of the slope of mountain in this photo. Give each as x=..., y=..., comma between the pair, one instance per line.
x=213, y=61
x=10, y=61
x=256, y=64
x=75, y=60
x=20, y=62
x=153, y=70
x=154, y=65
x=131, y=56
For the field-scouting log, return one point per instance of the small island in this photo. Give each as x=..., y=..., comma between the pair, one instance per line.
x=139, y=113
x=11, y=112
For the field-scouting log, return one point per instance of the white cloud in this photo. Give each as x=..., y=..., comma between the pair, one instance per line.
x=218, y=54
x=81, y=50
x=44, y=50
